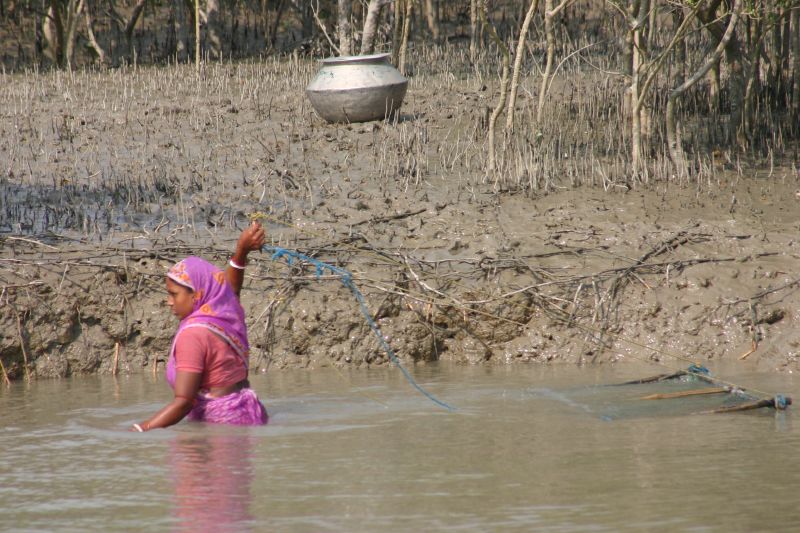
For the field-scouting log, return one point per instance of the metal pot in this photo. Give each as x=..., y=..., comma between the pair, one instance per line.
x=357, y=88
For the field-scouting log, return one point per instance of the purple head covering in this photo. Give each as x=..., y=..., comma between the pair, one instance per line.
x=216, y=307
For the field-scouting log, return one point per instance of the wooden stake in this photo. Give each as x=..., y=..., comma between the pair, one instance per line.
x=753, y=349
x=116, y=359
x=683, y=394
x=5, y=374
x=22, y=346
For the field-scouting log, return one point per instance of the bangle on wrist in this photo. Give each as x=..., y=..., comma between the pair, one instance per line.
x=235, y=265
x=138, y=428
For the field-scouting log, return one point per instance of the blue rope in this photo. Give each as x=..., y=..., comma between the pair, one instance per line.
x=347, y=280
x=782, y=402
x=697, y=368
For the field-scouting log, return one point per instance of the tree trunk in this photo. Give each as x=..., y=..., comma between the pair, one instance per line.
x=53, y=31
x=473, y=29
x=60, y=30
x=796, y=64
x=431, y=18
x=753, y=82
x=131, y=25
x=492, y=163
x=273, y=34
x=637, y=60
x=264, y=18
x=550, y=39
x=214, y=29
x=734, y=59
x=101, y=54
x=345, y=31
x=713, y=76
x=407, y=18
x=74, y=10
x=371, y=25
x=680, y=49
x=397, y=30
x=197, y=36
x=775, y=73
x=673, y=139
x=652, y=25
x=523, y=35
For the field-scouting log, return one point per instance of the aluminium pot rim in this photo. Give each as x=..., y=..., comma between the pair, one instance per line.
x=349, y=60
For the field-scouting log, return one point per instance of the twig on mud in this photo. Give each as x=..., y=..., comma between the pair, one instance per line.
x=23, y=286
x=428, y=287
x=379, y=220
x=681, y=237
x=32, y=241
x=764, y=293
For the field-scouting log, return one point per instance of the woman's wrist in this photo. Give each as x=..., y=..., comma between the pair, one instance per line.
x=239, y=259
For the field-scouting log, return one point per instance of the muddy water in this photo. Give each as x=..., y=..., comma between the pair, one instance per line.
x=528, y=449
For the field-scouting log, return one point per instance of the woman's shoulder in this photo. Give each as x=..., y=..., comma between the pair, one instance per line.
x=194, y=336
x=201, y=336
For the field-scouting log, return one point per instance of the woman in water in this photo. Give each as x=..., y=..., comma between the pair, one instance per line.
x=208, y=361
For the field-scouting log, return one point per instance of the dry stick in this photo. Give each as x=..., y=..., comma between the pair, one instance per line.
x=32, y=241
x=379, y=220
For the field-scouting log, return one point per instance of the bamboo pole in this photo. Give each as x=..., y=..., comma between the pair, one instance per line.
x=653, y=379
x=685, y=393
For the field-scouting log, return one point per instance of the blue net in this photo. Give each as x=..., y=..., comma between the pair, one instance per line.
x=346, y=278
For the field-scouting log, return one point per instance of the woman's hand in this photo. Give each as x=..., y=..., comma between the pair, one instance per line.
x=251, y=239
x=187, y=384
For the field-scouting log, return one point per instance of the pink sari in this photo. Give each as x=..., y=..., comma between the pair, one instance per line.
x=216, y=308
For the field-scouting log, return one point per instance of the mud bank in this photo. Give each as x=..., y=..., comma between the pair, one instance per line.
x=109, y=178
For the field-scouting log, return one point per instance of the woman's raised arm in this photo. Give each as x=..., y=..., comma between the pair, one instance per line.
x=251, y=239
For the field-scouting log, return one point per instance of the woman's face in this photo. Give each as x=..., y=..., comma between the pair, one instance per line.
x=180, y=299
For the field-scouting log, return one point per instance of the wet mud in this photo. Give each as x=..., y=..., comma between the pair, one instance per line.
x=110, y=177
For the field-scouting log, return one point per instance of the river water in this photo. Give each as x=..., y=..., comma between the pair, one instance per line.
x=528, y=448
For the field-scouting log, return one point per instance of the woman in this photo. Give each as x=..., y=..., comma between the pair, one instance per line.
x=208, y=361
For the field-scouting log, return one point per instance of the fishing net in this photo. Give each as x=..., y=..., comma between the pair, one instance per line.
x=691, y=391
